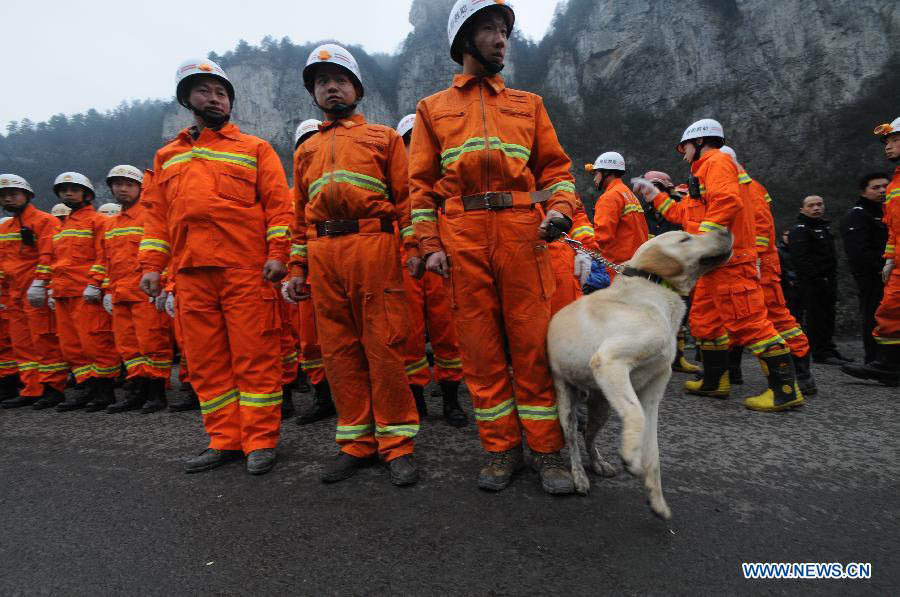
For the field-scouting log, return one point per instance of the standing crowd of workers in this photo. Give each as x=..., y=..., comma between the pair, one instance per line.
x=441, y=229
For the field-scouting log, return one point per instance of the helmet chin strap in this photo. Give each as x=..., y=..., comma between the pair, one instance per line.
x=211, y=120
x=339, y=110
x=491, y=67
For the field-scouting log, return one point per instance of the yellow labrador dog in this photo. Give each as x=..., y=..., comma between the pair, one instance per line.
x=624, y=350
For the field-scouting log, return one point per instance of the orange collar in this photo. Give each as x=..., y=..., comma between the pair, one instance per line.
x=696, y=165
x=355, y=120
x=228, y=130
x=495, y=82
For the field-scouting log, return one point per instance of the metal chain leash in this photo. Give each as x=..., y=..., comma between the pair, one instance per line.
x=579, y=247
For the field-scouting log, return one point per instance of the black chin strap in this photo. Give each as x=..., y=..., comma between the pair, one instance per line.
x=491, y=67
x=632, y=272
x=339, y=110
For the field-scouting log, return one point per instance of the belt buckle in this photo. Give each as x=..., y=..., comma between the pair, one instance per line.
x=330, y=228
x=487, y=200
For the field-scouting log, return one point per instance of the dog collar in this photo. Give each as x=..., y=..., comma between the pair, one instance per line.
x=639, y=273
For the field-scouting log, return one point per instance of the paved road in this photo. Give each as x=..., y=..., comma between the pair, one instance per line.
x=97, y=504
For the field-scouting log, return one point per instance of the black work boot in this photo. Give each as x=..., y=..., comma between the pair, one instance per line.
x=322, y=408
x=715, y=381
x=735, y=375
x=681, y=364
x=287, y=403
x=403, y=470
x=50, y=398
x=499, y=469
x=210, y=459
x=885, y=369
x=301, y=384
x=555, y=473
x=453, y=412
x=156, y=395
x=783, y=392
x=84, y=393
x=134, y=398
x=9, y=388
x=343, y=467
x=104, y=394
x=187, y=399
x=260, y=462
x=418, y=393
x=804, y=376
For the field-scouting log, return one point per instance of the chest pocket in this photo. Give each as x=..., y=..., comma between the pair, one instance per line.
x=450, y=127
x=82, y=247
x=237, y=183
x=169, y=181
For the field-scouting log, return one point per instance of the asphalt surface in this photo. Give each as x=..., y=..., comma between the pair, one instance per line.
x=97, y=504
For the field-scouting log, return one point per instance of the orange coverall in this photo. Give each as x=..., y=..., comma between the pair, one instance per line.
x=728, y=304
x=476, y=137
x=353, y=170
x=770, y=266
x=887, y=317
x=562, y=256
x=619, y=224
x=289, y=340
x=8, y=362
x=220, y=206
x=143, y=335
x=32, y=331
x=84, y=329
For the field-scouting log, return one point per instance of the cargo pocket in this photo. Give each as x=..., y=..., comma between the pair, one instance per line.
x=269, y=321
x=545, y=271
x=396, y=312
x=735, y=301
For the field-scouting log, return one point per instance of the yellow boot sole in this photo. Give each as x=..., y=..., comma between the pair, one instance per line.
x=685, y=366
x=765, y=402
x=723, y=391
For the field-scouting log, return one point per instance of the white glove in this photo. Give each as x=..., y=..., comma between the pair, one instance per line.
x=759, y=268
x=107, y=303
x=885, y=273
x=51, y=302
x=170, y=305
x=37, y=293
x=645, y=188
x=159, y=301
x=285, y=295
x=582, y=267
x=92, y=294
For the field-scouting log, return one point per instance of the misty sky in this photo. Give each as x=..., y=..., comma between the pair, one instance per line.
x=69, y=57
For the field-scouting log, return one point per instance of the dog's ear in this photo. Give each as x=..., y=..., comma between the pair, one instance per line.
x=655, y=261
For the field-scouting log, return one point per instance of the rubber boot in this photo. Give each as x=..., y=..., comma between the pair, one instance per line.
x=681, y=364
x=322, y=408
x=134, y=398
x=104, y=394
x=715, y=381
x=735, y=375
x=453, y=412
x=9, y=388
x=187, y=399
x=783, y=392
x=805, y=381
x=156, y=396
x=885, y=369
x=50, y=398
x=301, y=384
x=418, y=393
x=80, y=397
x=287, y=403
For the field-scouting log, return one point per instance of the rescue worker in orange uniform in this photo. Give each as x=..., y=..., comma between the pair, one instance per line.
x=769, y=270
x=486, y=155
x=9, y=367
x=310, y=352
x=429, y=309
x=219, y=206
x=619, y=223
x=143, y=333
x=886, y=367
x=350, y=190
x=26, y=247
x=83, y=326
x=729, y=304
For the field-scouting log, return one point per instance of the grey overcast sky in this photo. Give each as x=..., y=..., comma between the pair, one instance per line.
x=70, y=57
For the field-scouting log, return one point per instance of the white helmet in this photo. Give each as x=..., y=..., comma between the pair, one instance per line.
x=607, y=161
x=306, y=127
x=74, y=178
x=110, y=209
x=194, y=67
x=883, y=130
x=334, y=54
x=12, y=181
x=60, y=210
x=125, y=171
x=705, y=127
x=406, y=124
x=729, y=152
x=463, y=11
x=5, y=219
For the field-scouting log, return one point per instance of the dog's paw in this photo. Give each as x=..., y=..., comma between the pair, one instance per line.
x=659, y=508
x=634, y=469
x=602, y=467
x=582, y=483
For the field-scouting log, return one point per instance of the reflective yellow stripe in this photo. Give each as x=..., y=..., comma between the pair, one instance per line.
x=214, y=404
x=762, y=345
x=537, y=413
x=104, y=370
x=708, y=226
x=131, y=231
x=417, y=366
x=8, y=365
x=298, y=250
x=744, y=178
x=353, y=431
x=132, y=363
x=403, y=430
x=98, y=269
x=154, y=244
x=448, y=363
x=276, y=231
x=669, y=202
x=73, y=234
x=791, y=333
x=631, y=208
x=50, y=367
x=42, y=269
x=205, y=153
x=28, y=366
x=582, y=231
x=10, y=236
x=290, y=358
x=883, y=340
x=762, y=241
x=561, y=186
x=158, y=364
x=448, y=156
x=354, y=178
x=260, y=400
x=408, y=231
x=424, y=215
x=311, y=363
x=492, y=414
x=768, y=198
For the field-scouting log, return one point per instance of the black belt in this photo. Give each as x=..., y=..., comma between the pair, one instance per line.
x=338, y=227
x=499, y=200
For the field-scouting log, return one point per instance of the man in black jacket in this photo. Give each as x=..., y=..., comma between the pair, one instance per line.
x=811, y=246
x=864, y=236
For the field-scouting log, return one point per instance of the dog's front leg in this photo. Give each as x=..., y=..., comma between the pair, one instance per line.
x=612, y=375
x=650, y=399
x=568, y=420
